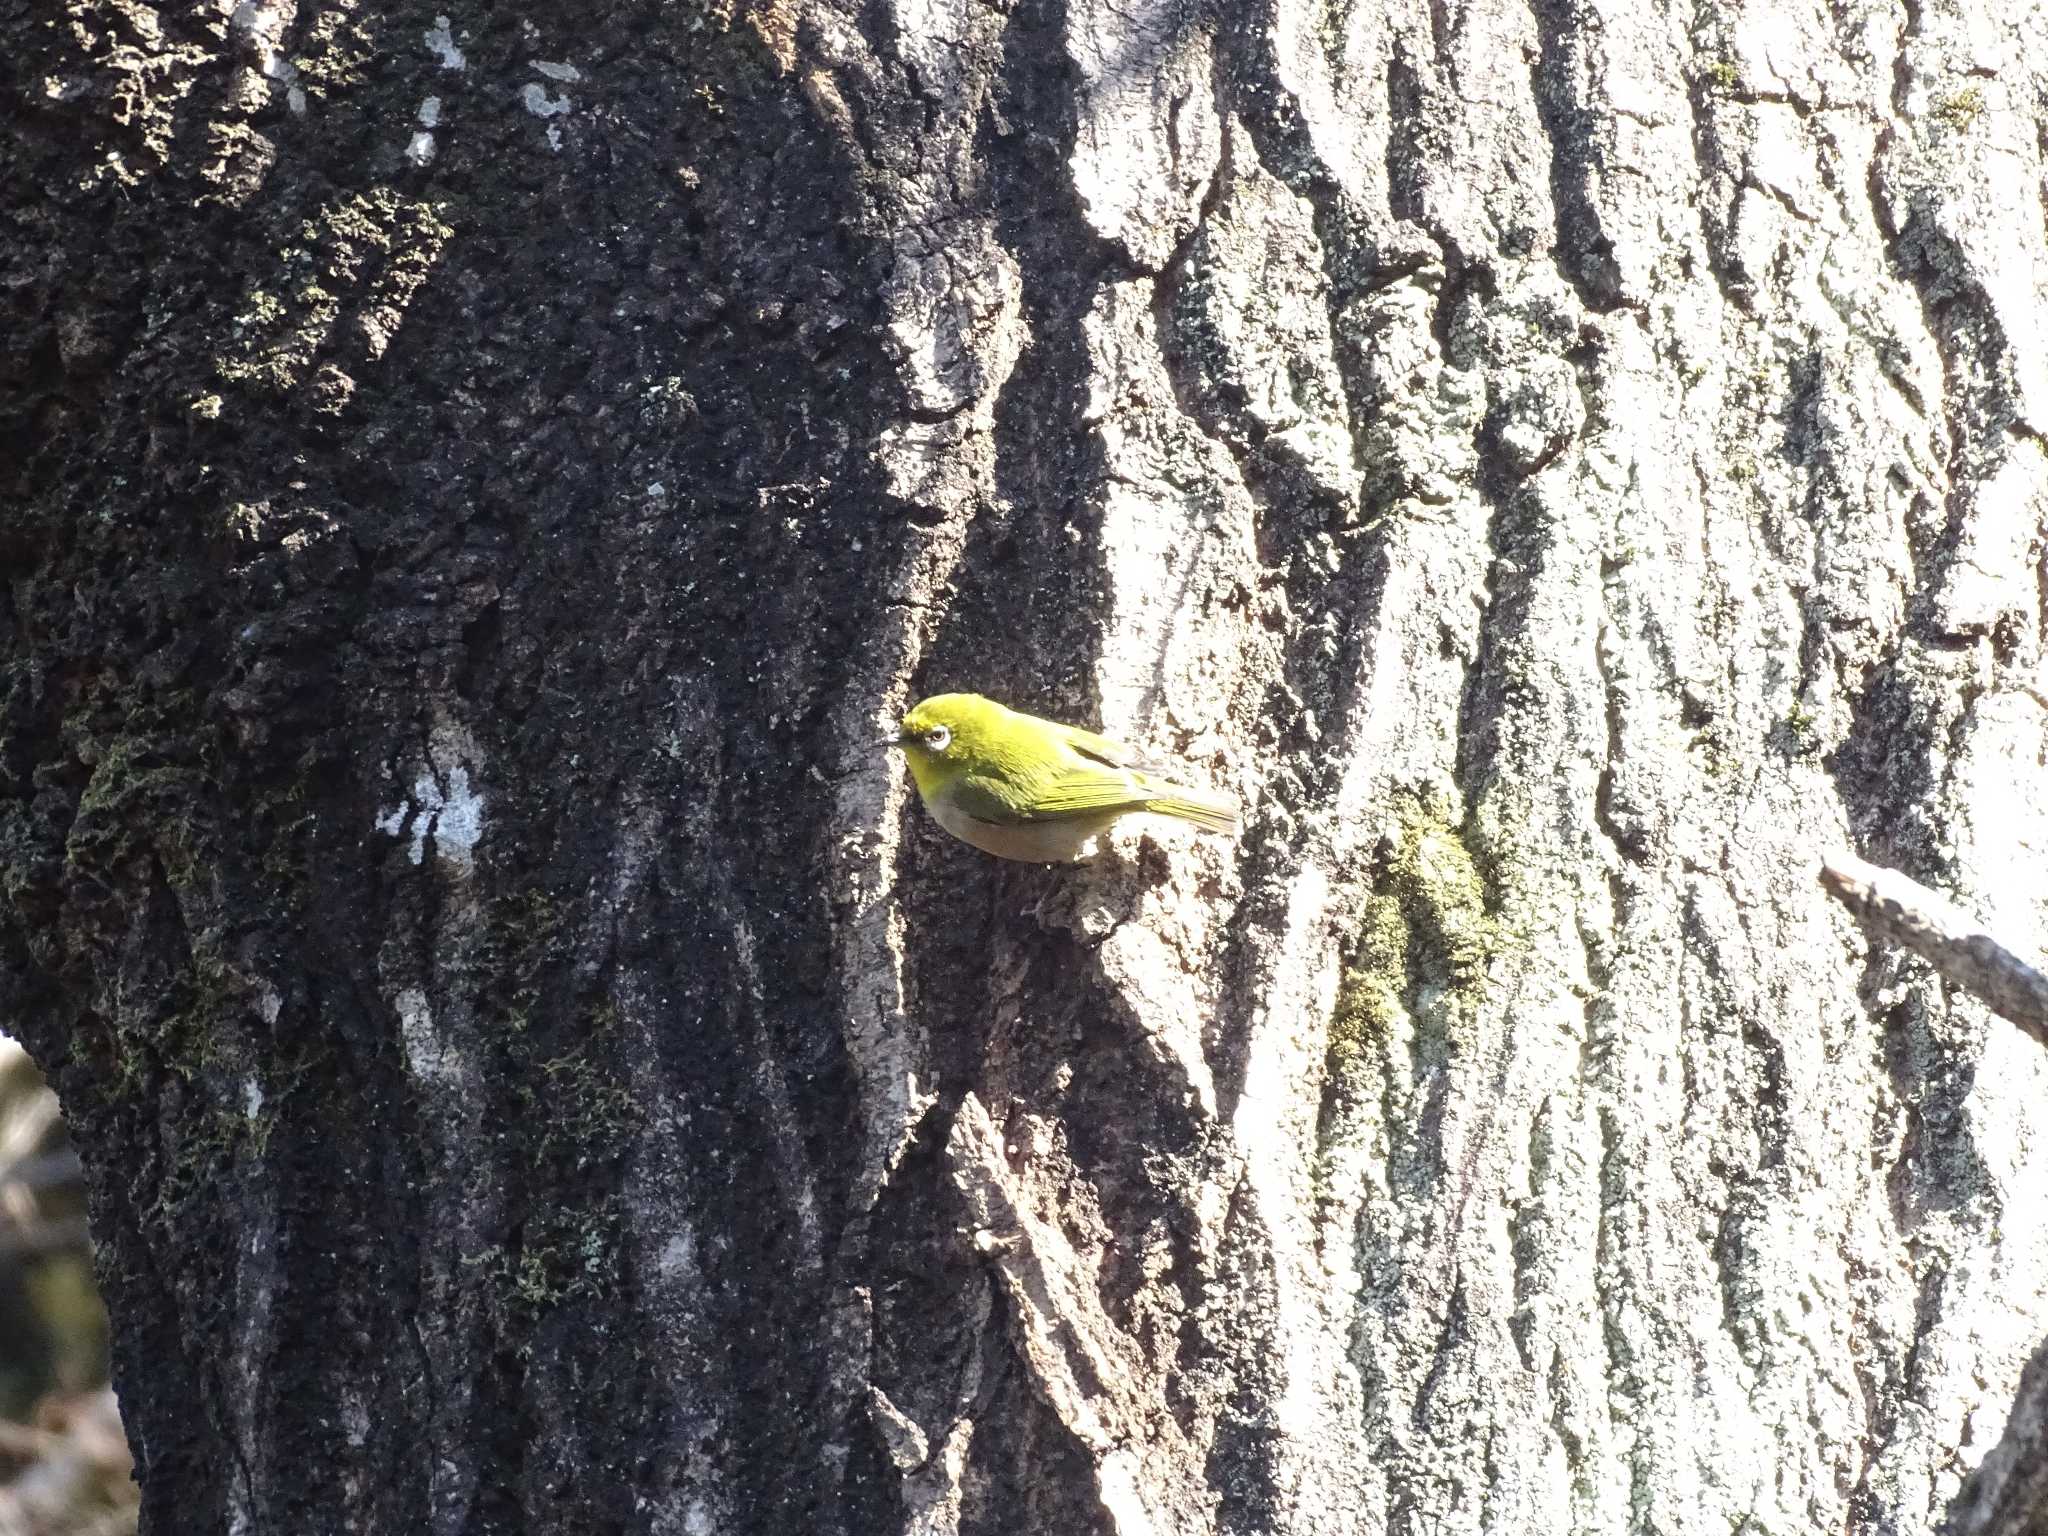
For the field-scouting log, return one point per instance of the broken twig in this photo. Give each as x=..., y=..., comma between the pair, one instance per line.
x=1890, y=906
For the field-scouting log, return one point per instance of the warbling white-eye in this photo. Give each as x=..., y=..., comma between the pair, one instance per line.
x=1024, y=788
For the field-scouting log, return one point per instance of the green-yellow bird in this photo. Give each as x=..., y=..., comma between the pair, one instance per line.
x=1024, y=788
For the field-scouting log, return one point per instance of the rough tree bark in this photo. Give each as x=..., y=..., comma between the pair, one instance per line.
x=477, y=482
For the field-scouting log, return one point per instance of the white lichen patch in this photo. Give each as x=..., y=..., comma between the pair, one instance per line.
x=420, y=148
x=537, y=100
x=540, y=104
x=567, y=74
x=441, y=44
x=427, y=1055
x=442, y=804
x=355, y=1420
x=459, y=818
x=260, y=29
x=678, y=1256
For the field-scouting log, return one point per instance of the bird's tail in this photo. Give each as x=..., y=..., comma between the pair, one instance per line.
x=1207, y=809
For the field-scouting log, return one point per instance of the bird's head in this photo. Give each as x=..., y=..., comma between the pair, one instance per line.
x=950, y=734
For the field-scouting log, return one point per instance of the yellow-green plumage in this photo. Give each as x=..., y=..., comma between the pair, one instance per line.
x=1025, y=788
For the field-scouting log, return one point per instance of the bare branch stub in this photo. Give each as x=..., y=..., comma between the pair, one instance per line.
x=1893, y=907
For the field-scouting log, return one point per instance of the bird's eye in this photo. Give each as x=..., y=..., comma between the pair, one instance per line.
x=937, y=738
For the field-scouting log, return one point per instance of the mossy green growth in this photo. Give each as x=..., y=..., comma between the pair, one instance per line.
x=1369, y=991
x=523, y=933
x=1960, y=108
x=1797, y=733
x=190, y=1036
x=286, y=829
x=587, y=1117
x=583, y=1109
x=1424, y=943
x=562, y=1256
x=193, y=1060
x=335, y=53
x=140, y=796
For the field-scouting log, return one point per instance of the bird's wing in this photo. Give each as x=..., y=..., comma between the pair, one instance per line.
x=1087, y=786
x=1098, y=774
x=1067, y=791
x=1111, y=754
x=1107, y=775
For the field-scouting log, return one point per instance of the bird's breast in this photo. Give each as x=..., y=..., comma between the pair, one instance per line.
x=1053, y=841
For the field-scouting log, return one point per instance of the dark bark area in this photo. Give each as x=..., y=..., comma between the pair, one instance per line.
x=337, y=489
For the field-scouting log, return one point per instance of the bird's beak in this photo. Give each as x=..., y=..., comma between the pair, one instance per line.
x=894, y=740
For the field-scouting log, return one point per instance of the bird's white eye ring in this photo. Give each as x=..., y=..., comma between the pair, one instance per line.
x=937, y=738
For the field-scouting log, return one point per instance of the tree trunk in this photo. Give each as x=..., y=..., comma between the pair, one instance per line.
x=478, y=485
